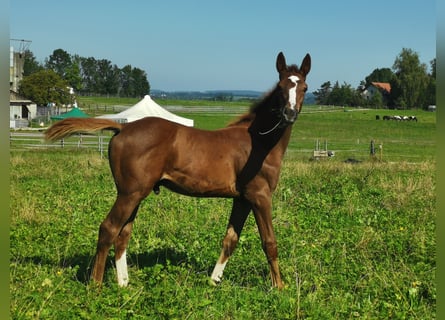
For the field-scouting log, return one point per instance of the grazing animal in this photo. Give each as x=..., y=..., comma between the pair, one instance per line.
x=400, y=118
x=241, y=161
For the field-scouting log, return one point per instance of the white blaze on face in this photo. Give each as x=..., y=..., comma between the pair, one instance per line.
x=293, y=92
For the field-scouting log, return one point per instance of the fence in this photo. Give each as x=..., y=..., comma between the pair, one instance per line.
x=36, y=140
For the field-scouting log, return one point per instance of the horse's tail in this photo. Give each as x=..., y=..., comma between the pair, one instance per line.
x=69, y=126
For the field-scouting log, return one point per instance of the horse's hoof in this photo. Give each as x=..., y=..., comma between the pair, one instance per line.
x=213, y=283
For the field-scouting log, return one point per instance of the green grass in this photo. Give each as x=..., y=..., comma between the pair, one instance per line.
x=355, y=241
x=84, y=101
x=95, y=106
x=348, y=132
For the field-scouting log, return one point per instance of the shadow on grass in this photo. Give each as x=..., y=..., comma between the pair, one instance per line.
x=84, y=263
x=161, y=256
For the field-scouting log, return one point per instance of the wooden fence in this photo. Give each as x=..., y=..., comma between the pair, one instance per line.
x=36, y=140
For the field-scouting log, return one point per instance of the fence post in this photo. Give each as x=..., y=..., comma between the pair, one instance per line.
x=101, y=149
x=79, y=143
x=372, y=150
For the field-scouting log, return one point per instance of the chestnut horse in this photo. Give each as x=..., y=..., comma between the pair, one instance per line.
x=241, y=161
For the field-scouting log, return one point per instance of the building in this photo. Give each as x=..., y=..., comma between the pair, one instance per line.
x=21, y=110
x=383, y=87
x=16, y=63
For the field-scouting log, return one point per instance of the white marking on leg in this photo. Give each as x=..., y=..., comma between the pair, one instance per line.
x=293, y=92
x=218, y=271
x=122, y=271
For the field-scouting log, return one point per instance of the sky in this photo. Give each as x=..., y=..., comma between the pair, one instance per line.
x=200, y=45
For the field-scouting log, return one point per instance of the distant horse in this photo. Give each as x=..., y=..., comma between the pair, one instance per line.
x=241, y=161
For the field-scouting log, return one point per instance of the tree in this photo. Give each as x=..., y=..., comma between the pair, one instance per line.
x=107, y=77
x=322, y=94
x=92, y=76
x=431, y=88
x=45, y=86
x=357, y=98
x=66, y=66
x=341, y=95
x=141, y=85
x=59, y=61
x=88, y=75
x=31, y=65
x=408, y=87
x=379, y=75
x=134, y=82
x=126, y=79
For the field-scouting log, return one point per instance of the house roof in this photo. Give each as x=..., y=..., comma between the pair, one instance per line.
x=382, y=85
x=15, y=97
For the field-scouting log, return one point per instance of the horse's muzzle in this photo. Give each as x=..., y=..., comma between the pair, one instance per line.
x=290, y=115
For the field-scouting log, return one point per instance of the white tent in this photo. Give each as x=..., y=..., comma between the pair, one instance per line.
x=147, y=108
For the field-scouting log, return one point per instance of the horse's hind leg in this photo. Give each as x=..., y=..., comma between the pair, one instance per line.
x=118, y=222
x=240, y=211
x=120, y=250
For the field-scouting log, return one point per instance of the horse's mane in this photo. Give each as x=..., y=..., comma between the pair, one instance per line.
x=249, y=116
x=246, y=118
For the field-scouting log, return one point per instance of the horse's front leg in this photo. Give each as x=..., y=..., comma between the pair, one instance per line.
x=240, y=211
x=262, y=209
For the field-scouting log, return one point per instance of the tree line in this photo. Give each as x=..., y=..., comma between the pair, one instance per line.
x=48, y=81
x=412, y=86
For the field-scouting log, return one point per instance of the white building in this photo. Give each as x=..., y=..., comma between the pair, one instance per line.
x=21, y=110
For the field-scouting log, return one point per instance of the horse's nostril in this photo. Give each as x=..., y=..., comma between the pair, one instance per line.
x=290, y=115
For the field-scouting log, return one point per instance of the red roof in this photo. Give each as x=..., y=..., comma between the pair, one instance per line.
x=382, y=85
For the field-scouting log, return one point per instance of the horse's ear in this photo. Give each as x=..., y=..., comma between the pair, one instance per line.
x=306, y=65
x=281, y=63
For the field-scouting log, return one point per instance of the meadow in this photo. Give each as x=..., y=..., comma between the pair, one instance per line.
x=356, y=241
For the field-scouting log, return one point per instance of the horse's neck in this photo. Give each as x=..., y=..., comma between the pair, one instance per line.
x=284, y=141
x=267, y=120
x=266, y=127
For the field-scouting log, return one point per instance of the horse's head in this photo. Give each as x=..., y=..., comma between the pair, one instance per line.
x=293, y=85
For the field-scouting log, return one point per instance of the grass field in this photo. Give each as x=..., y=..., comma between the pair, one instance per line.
x=350, y=133
x=347, y=131
x=355, y=241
